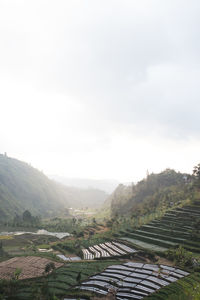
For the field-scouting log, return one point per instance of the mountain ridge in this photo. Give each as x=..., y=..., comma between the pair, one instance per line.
x=107, y=185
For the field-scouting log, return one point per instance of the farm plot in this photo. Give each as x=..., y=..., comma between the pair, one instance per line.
x=144, y=245
x=174, y=228
x=109, y=249
x=30, y=266
x=132, y=280
x=63, y=280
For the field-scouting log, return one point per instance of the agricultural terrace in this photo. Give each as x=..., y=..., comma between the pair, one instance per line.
x=109, y=249
x=132, y=280
x=62, y=281
x=177, y=227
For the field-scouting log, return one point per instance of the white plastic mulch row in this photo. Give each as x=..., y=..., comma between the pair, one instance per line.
x=133, y=280
x=97, y=253
x=124, y=247
x=117, y=249
x=112, y=252
x=93, y=289
x=107, y=250
x=87, y=255
x=73, y=299
x=103, y=252
x=65, y=258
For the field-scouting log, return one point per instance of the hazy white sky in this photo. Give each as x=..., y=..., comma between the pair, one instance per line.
x=100, y=89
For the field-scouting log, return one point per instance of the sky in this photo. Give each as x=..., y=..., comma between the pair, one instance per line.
x=100, y=89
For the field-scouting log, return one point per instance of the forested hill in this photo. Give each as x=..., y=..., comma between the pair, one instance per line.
x=23, y=187
x=156, y=191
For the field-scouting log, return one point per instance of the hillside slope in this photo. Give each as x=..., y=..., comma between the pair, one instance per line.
x=23, y=187
x=156, y=191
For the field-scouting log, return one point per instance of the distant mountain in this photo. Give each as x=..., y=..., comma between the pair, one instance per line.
x=156, y=191
x=23, y=187
x=107, y=186
x=83, y=198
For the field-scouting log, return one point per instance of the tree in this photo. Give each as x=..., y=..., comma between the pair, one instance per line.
x=17, y=220
x=27, y=217
x=1, y=248
x=2, y=252
x=49, y=267
x=78, y=278
x=180, y=256
x=196, y=173
x=91, y=233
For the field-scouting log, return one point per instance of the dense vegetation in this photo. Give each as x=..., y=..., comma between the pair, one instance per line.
x=157, y=191
x=24, y=188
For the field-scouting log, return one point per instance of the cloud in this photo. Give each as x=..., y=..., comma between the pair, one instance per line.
x=80, y=79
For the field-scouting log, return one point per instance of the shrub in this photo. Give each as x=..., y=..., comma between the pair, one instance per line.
x=180, y=256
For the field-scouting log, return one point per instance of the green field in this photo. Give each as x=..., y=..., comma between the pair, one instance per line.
x=178, y=227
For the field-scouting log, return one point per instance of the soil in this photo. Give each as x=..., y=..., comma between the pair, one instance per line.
x=164, y=261
x=30, y=266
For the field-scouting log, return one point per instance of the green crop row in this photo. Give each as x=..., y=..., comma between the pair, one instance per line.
x=168, y=232
x=183, y=289
x=168, y=225
x=150, y=240
x=159, y=236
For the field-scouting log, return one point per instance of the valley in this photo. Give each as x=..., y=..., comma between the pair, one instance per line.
x=143, y=243
x=99, y=150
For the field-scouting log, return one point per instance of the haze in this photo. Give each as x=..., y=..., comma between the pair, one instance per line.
x=100, y=89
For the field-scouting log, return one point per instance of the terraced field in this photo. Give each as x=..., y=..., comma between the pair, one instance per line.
x=132, y=280
x=63, y=280
x=128, y=280
x=176, y=227
x=109, y=249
